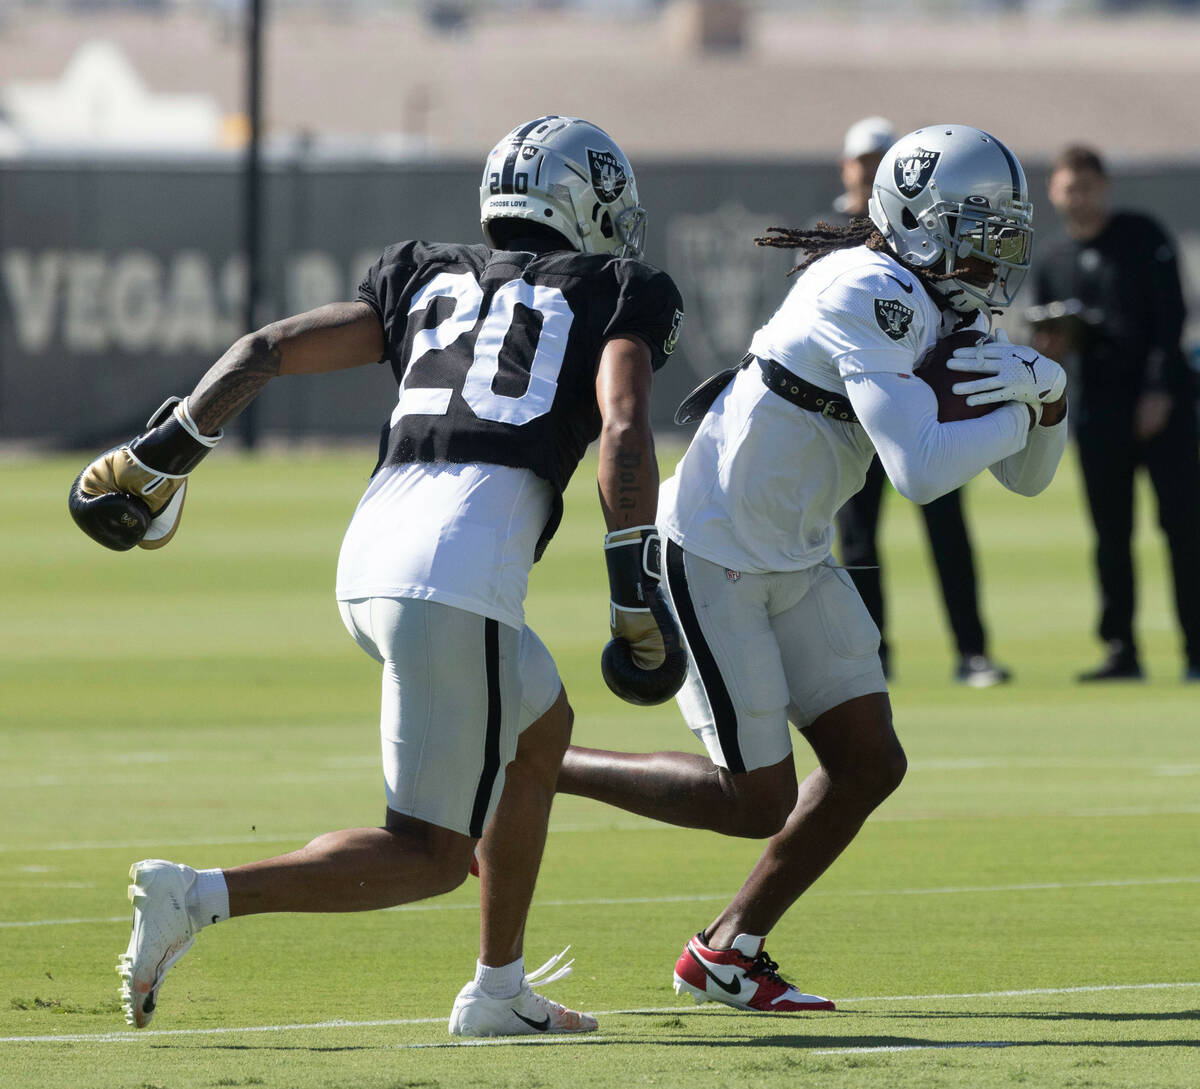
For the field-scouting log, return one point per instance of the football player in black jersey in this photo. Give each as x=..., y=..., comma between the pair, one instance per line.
x=510, y=358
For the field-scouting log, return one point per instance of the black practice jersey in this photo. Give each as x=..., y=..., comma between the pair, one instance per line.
x=1128, y=276
x=496, y=352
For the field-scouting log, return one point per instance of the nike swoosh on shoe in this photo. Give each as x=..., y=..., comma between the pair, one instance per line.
x=541, y=1026
x=734, y=986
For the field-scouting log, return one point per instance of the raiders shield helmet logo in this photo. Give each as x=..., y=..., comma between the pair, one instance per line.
x=894, y=317
x=608, y=175
x=912, y=171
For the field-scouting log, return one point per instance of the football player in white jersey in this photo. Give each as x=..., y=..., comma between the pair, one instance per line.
x=510, y=358
x=776, y=633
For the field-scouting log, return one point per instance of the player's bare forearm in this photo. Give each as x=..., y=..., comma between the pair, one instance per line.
x=628, y=474
x=1054, y=411
x=627, y=477
x=233, y=382
x=329, y=338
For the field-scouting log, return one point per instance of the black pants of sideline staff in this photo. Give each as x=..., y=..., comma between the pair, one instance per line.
x=858, y=524
x=1109, y=458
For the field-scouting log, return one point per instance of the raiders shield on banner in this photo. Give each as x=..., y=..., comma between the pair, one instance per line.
x=912, y=171
x=731, y=286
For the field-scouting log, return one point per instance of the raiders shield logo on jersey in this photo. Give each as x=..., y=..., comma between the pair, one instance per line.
x=912, y=171
x=608, y=176
x=894, y=317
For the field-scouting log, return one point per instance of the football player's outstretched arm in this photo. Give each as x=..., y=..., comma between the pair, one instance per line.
x=133, y=494
x=644, y=662
x=329, y=338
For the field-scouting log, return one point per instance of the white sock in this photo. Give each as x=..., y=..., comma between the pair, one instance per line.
x=208, y=899
x=502, y=982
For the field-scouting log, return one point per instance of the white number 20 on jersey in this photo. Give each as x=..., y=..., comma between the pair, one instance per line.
x=477, y=390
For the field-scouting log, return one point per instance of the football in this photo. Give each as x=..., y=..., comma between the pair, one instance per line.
x=933, y=370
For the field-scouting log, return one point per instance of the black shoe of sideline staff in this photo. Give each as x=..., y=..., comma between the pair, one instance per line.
x=1121, y=664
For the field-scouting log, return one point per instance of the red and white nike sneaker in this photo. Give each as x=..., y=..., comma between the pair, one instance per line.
x=743, y=977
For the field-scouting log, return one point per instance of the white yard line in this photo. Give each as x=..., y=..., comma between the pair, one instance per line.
x=435, y=906
x=1031, y=886
x=1027, y=992
x=153, y=844
x=154, y=1034
x=1039, y=886
x=21, y=924
x=708, y=897
x=600, y=1038
x=887, y=817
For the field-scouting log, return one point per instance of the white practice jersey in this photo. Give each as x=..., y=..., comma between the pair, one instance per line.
x=462, y=535
x=762, y=479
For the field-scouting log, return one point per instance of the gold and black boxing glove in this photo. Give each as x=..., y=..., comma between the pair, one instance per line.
x=644, y=662
x=133, y=494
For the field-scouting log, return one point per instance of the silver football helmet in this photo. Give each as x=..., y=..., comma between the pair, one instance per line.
x=948, y=193
x=569, y=175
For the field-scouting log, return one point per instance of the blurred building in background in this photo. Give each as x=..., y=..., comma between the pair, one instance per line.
x=122, y=124
x=674, y=77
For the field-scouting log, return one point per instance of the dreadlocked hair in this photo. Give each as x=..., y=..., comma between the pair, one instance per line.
x=822, y=240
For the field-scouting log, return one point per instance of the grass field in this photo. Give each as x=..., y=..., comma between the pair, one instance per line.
x=1022, y=912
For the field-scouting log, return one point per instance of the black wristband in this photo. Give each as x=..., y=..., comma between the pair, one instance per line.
x=169, y=447
x=633, y=566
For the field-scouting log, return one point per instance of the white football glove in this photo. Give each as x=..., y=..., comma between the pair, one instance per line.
x=1012, y=373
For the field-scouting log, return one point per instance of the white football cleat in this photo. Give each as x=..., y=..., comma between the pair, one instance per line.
x=162, y=933
x=527, y=1013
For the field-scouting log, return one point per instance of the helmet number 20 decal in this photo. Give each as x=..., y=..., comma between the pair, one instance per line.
x=520, y=182
x=556, y=318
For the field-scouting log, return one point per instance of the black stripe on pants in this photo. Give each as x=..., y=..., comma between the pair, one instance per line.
x=724, y=715
x=491, y=743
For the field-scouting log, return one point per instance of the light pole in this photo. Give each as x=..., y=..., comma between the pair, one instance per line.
x=252, y=196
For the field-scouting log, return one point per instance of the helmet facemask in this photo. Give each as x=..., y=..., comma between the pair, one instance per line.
x=630, y=225
x=1002, y=238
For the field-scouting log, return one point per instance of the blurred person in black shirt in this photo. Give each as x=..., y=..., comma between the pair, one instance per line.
x=1133, y=400
x=858, y=520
